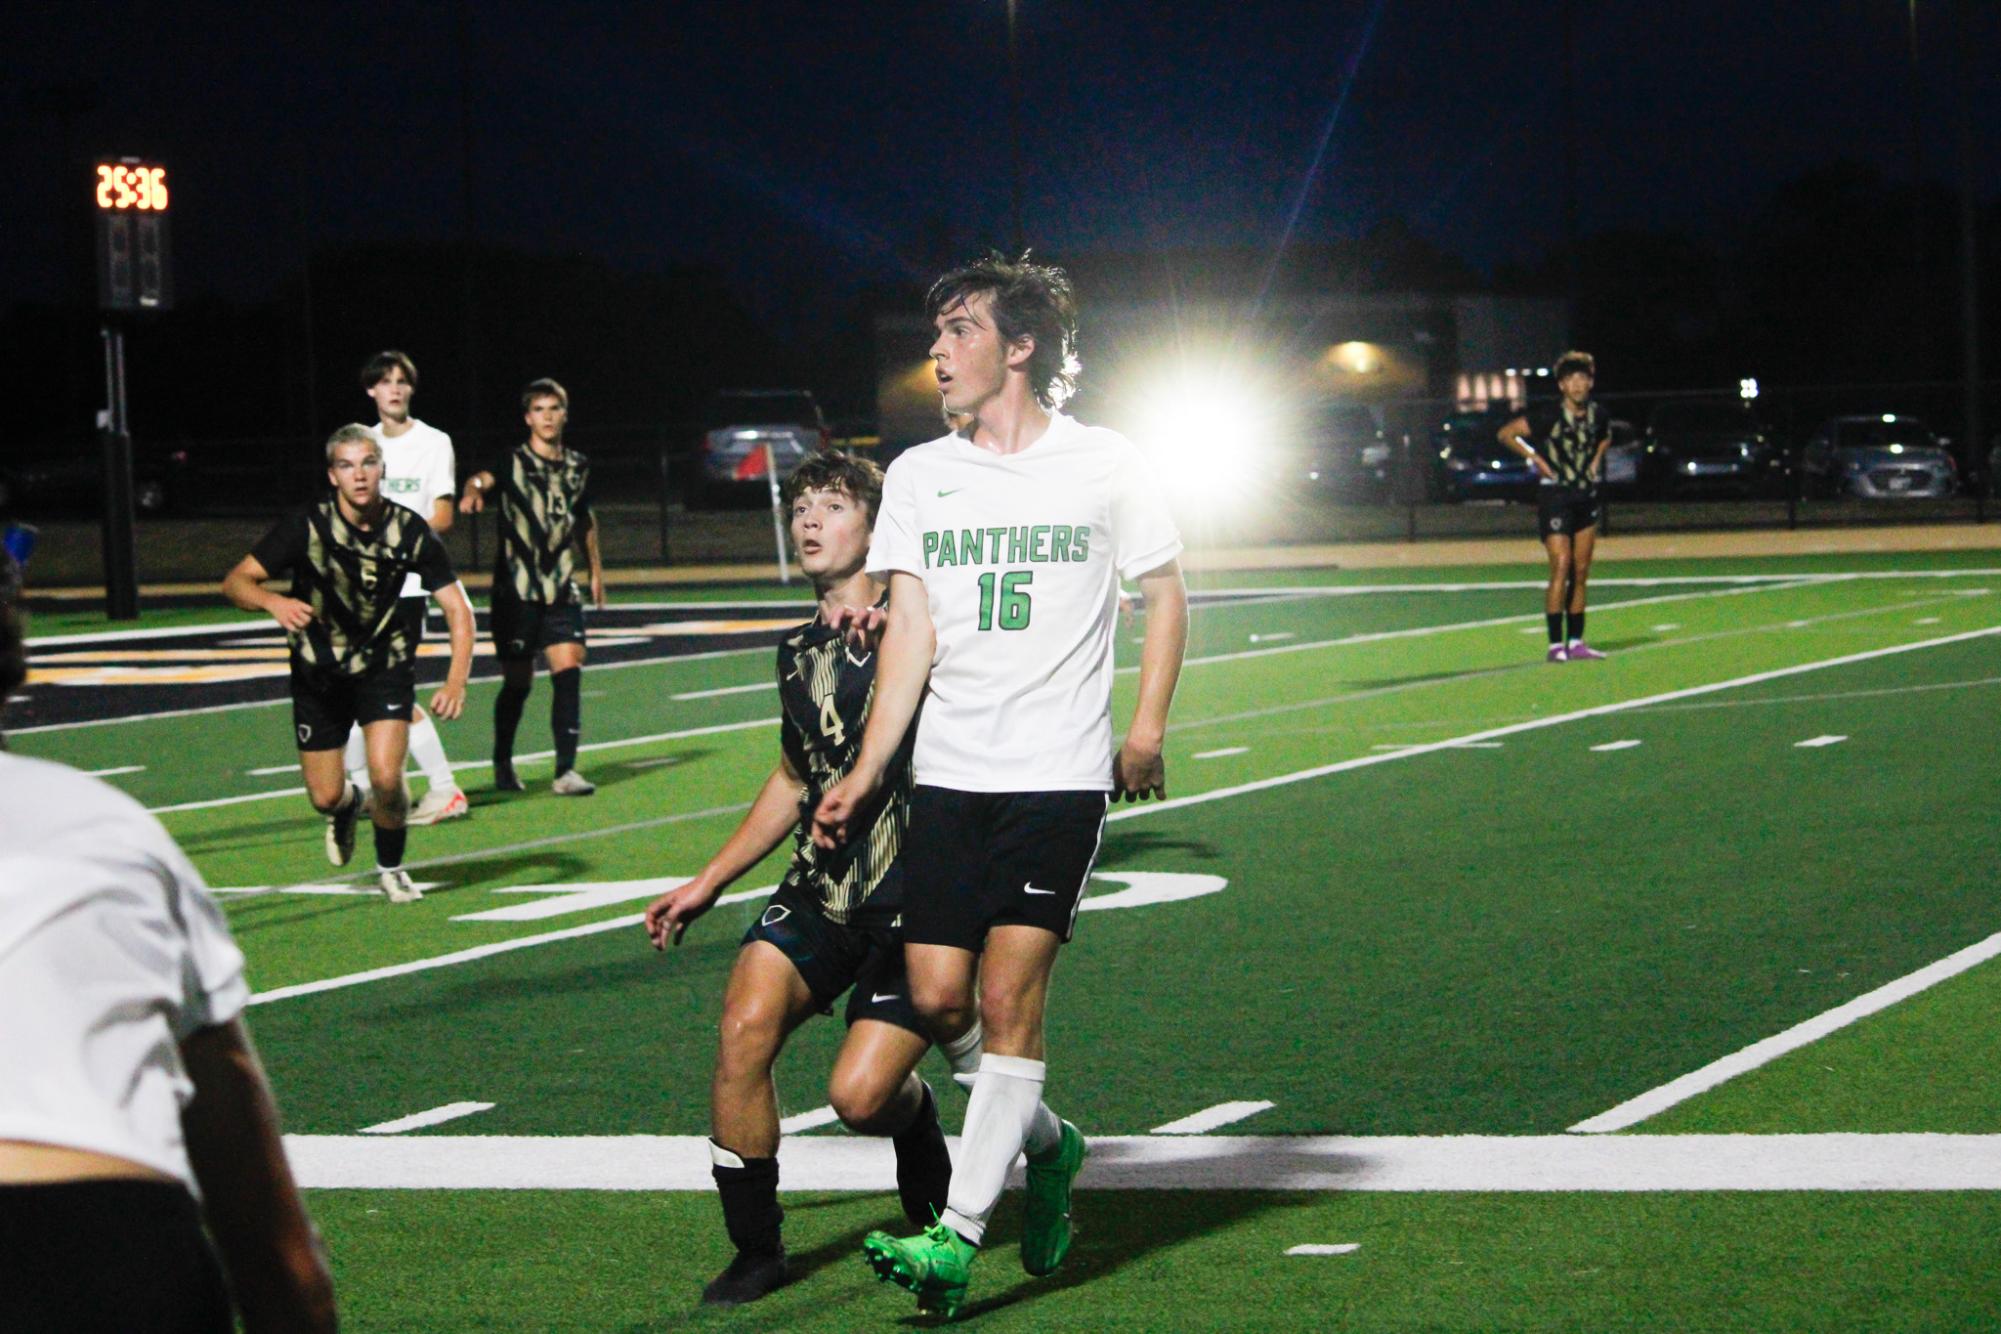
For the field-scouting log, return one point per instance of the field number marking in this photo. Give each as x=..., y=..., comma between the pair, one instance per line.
x=1213, y=1118
x=437, y=1116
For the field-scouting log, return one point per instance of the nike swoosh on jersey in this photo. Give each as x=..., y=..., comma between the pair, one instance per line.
x=953, y=492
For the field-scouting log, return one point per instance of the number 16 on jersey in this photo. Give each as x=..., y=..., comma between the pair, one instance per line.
x=1013, y=599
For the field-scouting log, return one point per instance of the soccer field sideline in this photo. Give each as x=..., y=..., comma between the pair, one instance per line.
x=1502, y=1163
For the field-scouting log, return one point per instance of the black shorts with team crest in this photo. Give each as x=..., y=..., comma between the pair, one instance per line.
x=1564, y=510
x=523, y=629
x=863, y=956
x=976, y=860
x=326, y=706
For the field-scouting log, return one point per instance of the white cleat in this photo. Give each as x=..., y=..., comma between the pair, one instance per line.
x=570, y=783
x=438, y=805
x=397, y=886
x=341, y=827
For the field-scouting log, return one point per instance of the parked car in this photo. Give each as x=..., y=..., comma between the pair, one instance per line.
x=1883, y=457
x=1338, y=447
x=1468, y=460
x=1620, y=473
x=69, y=478
x=1711, y=445
x=731, y=456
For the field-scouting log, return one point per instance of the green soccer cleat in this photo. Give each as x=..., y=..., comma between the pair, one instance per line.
x=936, y=1265
x=1045, y=1224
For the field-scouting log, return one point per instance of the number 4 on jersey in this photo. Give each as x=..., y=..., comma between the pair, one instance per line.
x=1014, y=603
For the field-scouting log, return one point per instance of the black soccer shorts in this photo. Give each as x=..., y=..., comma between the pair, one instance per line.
x=523, y=629
x=1563, y=510
x=108, y=1257
x=976, y=860
x=863, y=957
x=327, y=705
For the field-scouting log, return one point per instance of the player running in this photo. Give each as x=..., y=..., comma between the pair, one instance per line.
x=1004, y=543
x=1574, y=433
x=418, y=473
x=545, y=513
x=353, y=656
x=834, y=924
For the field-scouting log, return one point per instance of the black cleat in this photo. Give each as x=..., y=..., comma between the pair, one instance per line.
x=747, y=1278
x=923, y=1166
x=504, y=779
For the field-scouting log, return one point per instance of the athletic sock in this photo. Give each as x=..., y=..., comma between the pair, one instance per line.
x=749, y=1190
x=507, y=707
x=963, y=1054
x=1045, y=1133
x=923, y=1163
x=1004, y=1101
x=389, y=845
x=429, y=752
x=1554, y=619
x=1576, y=627
x=566, y=715
x=354, y=758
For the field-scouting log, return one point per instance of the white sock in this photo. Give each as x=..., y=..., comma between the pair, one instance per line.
x=429, y=753
x=1005, y=1097
x=355, y=758
x=963, y=1054
x=1045, y=1133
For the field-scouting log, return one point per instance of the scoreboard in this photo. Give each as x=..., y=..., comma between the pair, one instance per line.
x=134, y=252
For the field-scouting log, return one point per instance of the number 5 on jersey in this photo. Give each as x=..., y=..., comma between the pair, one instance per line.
x=1014, y=603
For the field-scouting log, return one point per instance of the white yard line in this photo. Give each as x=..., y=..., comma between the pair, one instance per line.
x=475, y=953
x=1618, y=1163
x=1616, y=745
x=532, y=756
x=804, y=1121
x=1635, y=1110
x=113, y=773
x=1878, y=693
x=1537, y=724
x=437, y=1116
x=726, y=690
x=1213, y=1118
x=1339, y=1248
x=1124, y=813
x=1219, y=754
x=1815, y=742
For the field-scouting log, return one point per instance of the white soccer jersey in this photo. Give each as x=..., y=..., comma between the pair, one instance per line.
x=1021, y=556
x=418, y=469
x=111, y=952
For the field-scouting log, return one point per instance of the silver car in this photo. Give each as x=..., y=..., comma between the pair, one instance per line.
x=759, y=430
x=1881, y=457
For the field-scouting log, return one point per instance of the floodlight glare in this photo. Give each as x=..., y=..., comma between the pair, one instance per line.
x=1210, y=431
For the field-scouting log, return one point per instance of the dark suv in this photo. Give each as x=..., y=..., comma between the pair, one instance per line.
x=1711, y=445
x=1468, y=459
x=749, y=427
x=1338, y=447
x=69, y=478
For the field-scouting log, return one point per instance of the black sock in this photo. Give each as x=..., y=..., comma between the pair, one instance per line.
x=923, y=1164
x=1555, y=622
x=750, y=1204
x=389, y=845
x=566, y=715
x=507, y=707
x=1576, y=626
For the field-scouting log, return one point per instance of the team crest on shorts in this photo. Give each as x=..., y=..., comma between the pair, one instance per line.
x=775, y=914
x=305, y=733
x=1556, y=524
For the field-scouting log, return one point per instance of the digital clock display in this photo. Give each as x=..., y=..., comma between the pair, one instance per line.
x=131, y=187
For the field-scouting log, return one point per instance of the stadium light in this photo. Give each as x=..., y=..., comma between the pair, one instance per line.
x=1212, y=430
x=1747, y=389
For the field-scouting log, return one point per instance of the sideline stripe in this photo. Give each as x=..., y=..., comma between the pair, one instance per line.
x=437, y=1116
x=726, y=690
x=1341, y=1248
x=1201, y=1162
x=1815, y=742
x=1537, y=724
x=1635, y=1110
x=1213, y=1118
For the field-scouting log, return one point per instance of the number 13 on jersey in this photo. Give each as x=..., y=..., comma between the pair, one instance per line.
x=1013, y=599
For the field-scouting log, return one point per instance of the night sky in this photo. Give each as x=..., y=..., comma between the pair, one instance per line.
x=805, y=149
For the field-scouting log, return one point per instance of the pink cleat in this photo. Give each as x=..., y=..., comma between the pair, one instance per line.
x=1583, y=652
x=1557, y=653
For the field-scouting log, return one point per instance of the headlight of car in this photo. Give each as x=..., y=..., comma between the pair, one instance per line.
x=1376, y=453
x=1459, y=465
